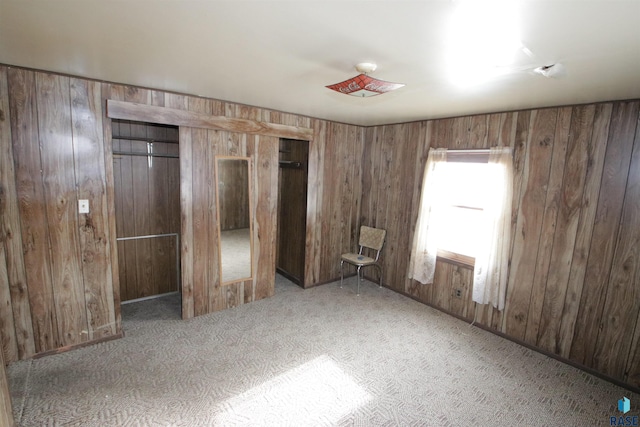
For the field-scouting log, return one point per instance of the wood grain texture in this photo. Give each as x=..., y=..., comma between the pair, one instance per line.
x=147, y=113
x=18, y=340
x=30, y=191
x=549, y=222
x=571, y=176
x=595, y=152
x=6, y=410
x=109, y=92
x=315, y=174
x=265, y=210
x=367, y=175
x=567, y=223
x=622, y=299
x=186, y=220
x=529, y=223
x=607, y=221
x=292, y=209
x=58, y=174
x=90, y=177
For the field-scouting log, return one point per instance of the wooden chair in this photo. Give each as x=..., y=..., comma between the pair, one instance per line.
x=372, y=238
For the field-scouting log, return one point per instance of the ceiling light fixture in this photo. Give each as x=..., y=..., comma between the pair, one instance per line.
x=364, y=85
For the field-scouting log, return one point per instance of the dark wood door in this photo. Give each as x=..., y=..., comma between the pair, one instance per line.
x=292, y=209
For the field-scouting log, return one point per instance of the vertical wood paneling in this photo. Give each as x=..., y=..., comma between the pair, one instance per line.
x=357, y=179
x=551, y=206
x=186, y=219
x=566, y=226
x=33, y=218
x=90, y=176
x=6, y=414
x=107, y=92
x=216, y=296
x=16, y=315
x=622, y=300
x=314, y=202
x=608, y=214
x=266, y=197
x=567, y=292
x=56, y=150
x=529, y=223
x=202, y=190
x=595, y=162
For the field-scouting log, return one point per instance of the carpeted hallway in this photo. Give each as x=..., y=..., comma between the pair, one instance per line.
x=321, y=356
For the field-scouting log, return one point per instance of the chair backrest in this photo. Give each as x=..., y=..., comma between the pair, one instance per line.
x=372, y=238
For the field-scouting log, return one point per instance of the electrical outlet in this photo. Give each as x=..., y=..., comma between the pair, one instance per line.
x=83, y=206
x=458, y=293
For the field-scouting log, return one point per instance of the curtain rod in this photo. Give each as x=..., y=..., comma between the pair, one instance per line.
x=472, y=151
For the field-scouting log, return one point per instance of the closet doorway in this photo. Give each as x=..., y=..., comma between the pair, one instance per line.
x=146, y=169
x=292, y=209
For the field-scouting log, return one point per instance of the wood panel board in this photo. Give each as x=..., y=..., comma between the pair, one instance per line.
x=568, y=219
x=176, y=117
x=526, y=238
x=90, y=177
x=622, y=300
x=19, y=317
x=30, y=191
x=56, y=151
x=552, y=205
x=605, y=231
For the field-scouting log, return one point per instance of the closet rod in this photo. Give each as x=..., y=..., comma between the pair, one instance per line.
x=127, y=153
x=140, y=138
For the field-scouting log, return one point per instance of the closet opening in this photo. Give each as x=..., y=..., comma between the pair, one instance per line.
x=292, y=209
x=146, y=169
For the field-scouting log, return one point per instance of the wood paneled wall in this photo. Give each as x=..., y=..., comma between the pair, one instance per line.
x=6, y=414
x=59, y=272
x=292, y=209
x=58, y=262
x=574, y=281
x=147, y=202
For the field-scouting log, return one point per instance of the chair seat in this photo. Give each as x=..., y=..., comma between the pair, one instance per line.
x=356, y=259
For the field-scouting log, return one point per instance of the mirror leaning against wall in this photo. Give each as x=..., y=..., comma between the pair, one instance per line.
x=235, y=218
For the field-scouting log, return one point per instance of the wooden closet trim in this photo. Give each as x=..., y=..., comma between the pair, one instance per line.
x=170, y=116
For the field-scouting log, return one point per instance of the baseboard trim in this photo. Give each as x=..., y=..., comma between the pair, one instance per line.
x=76, y=346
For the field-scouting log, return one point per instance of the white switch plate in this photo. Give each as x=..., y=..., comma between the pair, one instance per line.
x=83, y=206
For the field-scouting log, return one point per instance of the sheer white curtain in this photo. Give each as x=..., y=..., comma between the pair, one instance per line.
x=422, y=264
x=492, y=260
x=494, y=233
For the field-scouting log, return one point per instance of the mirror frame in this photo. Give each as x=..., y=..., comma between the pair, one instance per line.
x=251, y=218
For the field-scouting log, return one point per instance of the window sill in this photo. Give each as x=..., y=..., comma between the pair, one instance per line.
x=457, y=259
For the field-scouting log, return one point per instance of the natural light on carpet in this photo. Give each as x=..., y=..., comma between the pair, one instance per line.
x=317, y=391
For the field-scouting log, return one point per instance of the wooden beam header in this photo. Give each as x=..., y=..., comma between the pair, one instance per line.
x=171, y=116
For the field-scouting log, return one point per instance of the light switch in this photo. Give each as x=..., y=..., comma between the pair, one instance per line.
x=83, y=206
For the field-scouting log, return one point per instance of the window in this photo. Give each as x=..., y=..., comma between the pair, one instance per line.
x=465, y=215
x=459, y=206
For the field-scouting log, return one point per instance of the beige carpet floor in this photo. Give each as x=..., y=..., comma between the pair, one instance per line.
x=317, y=357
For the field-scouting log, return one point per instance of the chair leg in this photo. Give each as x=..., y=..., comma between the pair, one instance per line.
x=358, y=274
x=341, y=272
x=379, y=272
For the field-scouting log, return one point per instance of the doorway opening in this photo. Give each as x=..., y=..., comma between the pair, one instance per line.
x=292, y=209
x=146, y=169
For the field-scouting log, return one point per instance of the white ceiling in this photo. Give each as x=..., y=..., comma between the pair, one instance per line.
x=455, y=58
